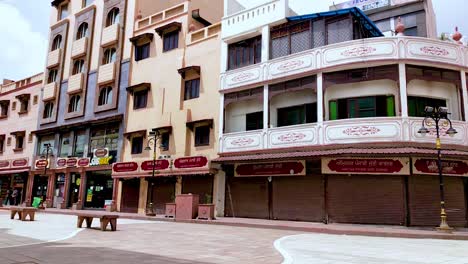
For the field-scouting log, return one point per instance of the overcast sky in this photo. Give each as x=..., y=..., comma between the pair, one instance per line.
x=24, y=27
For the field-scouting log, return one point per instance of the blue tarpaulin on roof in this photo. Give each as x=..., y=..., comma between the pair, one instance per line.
x=356, y=12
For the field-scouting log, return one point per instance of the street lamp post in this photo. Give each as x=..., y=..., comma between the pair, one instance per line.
x=152, y=138
x=437, y=115
x=48, y=147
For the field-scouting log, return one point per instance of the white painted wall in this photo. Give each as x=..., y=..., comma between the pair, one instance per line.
x=289, y=99
x=359, y=89
x=235, y=114
x=438, y=90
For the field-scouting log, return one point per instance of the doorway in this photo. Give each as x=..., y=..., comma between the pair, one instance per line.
x=99, y=187
x=74, y=189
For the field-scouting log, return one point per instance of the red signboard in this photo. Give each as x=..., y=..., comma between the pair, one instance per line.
x=61, y=162
x=101, y=153
x=158, y=165
x=430, y=166
x=20, y=163
x=42, y=163
x=84, y=162
x=190, y=162
x=71, y=162
x=125, y=167
x=271, y=169
x=365, y=165
x=4, y=164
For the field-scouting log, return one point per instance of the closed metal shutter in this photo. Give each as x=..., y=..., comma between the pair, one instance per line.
x=163, y=192
x=247, y=197
x=298, y=198
x=130, y=196
x=424, y=201
x=201, y=185
x=366, y=199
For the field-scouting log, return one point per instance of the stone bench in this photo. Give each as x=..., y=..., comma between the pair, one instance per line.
x=105, y=219
x=23, y=212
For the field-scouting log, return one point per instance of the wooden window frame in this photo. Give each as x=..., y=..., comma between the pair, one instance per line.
x=190, y=89
x=137, y=94
x=200, y=139
x=238, y=50
x=173, y=38
x=137, y=149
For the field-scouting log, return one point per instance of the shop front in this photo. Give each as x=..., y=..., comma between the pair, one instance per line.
x=13, y=180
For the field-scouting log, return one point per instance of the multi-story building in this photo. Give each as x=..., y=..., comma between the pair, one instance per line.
x=82, y=108
x=320, y=116
x=174, y=95
x=19, y=102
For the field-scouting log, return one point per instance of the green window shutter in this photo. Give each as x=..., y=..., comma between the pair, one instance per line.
x=333, y=108
x=390, y=105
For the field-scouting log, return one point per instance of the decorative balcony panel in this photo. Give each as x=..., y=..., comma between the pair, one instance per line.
x=245, y=76
x=110, y=35
x=461, y=138
x=434, y=51
x=106, y=73
x=53, y=59
x=75, y=83
x=50, y=91
x=242, y=141
x=79, y=47
x=293, y=64
x=292, y=136
x=252, y=19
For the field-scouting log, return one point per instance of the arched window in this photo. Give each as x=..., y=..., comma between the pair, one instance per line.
x=113, y=17
x=74, y=104
x=57, y=42
x=48, y=109
x=105, y=96
x=82, y=31
x=110, y=56
x=52, y=76
x=78, y=67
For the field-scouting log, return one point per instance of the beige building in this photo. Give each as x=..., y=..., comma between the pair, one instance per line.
x=173, y=94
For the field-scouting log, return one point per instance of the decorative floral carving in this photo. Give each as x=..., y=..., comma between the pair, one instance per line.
x=290, y=65
x=242, y=77
x=433, y=50
x=361, y=131
x=241, y=142
x=442, y=131
x=291, y=137
x=359, y=51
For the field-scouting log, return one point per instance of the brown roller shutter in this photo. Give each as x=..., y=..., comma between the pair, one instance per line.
x=424, y=201
x=366, y=199
x=130, y=196
x=247, y=197
x=298, y=198
x=201, y=185
x=163, y=192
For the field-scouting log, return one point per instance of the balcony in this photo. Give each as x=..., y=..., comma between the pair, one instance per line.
x=204, y=34
x=163, y=16
x=75, y=83
x=363, y=130
x=252, y=19
x=79, y=47
x=53, y=59
x=106, y=73
x=50, y=91
x=110, y=35
x=350, y=54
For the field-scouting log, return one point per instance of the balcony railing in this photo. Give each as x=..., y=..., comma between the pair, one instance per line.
x=162, y=16
x=110, y=35
x=75, y=83
x=363, y=130
x=204, y=34
x=350, y=54
x=79, y=47
x=50, y=91
x=106, y=73
x=53, y=59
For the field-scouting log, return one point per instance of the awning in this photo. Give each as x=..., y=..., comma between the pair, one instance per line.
x=142, y=39
x=173, y=26
x=23, y=96
x=139, y=87
x=148, y=174
x=56, y=3
x=139, y=132
x=16, y=133
x=208, y=122
x=4, y=102
x=14, y=171
x=183, y=71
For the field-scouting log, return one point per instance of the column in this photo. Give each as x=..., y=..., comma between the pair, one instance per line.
x=115, y=190
x=403, y=92
x=320, y=103
x=143, y=196
x=29, y=189
x=464, y=95
x=219, y=192
x=221, y=122
x=82, y=192
x=50, y=190
x=178, y=186
x=266, y=102
x=265, y=43
x=66, y=190
x=224, y=56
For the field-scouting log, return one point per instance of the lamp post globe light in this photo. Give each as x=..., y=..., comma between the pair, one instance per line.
x=153, y=138
x=437, y=117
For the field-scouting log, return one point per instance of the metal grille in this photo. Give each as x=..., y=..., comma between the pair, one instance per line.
x=279, y=47
x=300, y=41
x=339, y=31
x=319, y=33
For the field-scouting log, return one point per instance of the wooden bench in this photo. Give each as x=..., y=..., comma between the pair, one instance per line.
x=23, y=212
x=105, y=219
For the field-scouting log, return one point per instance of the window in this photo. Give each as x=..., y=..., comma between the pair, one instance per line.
x=64, y=145
x=140, y=99
x=78, y=66
x=46, y=140
x=137, y=145
x=24, y=105
x=339, y=31
x=19, y=141
x=63, y=11
x=48, y=110
x=113, y=17
x=35, y=99
x=298, y=114
x=110, y=56
x=290, y=38
x=2, y=143
x=202, y=136
x=105, y=96
x=4, y=109
x=164, y=141
x=192, y=89
x=87, y=3
x=8, y=141
x=254, y=121
x=74, y=104
x=57, y=42
x=13, y=106
x=371, y=106
x=245, y=53
x=142, y=51
x=170, y=41
x=52, y=76
x=79, y=144
x=105, y=137
x=413, y=31
x=416, y=105
x=82, y=31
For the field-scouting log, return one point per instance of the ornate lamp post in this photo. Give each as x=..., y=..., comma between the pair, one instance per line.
x=438, y=115
x=153, y=138
x=48, y=147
